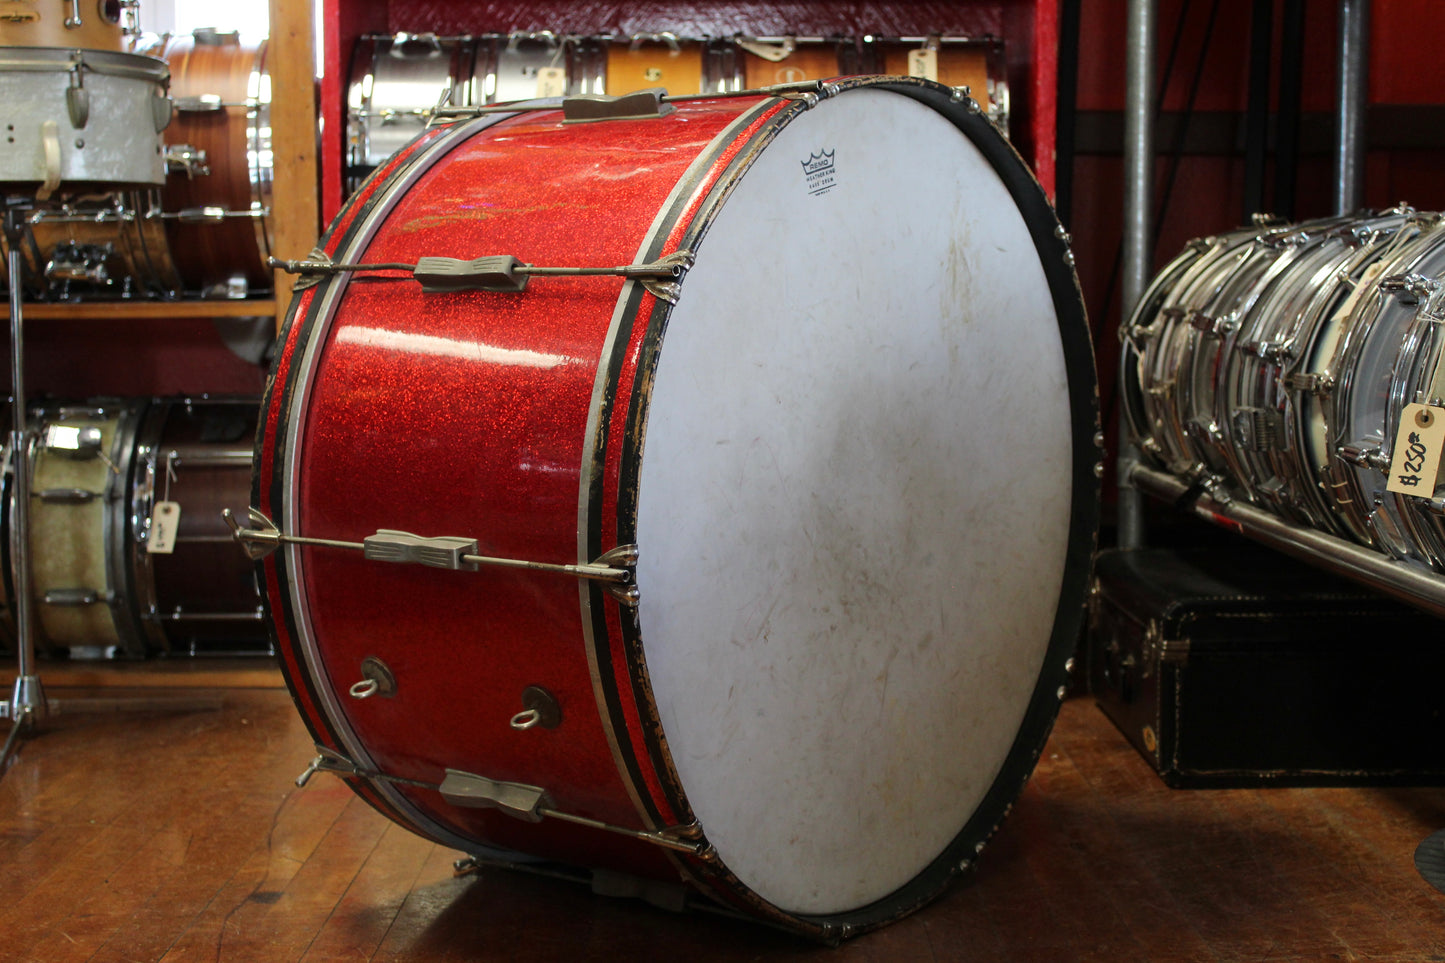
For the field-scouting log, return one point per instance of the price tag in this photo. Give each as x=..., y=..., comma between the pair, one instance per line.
x=164, y=522
x=1418, y=444
x=923, y=63
x=552, y=82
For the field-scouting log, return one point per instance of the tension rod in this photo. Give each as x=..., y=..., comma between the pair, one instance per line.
x=613, y=568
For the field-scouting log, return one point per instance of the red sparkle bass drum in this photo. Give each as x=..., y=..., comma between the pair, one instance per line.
x=751, y=563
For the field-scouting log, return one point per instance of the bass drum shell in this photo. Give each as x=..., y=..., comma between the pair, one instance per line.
x=202, y=597
x=856, y=604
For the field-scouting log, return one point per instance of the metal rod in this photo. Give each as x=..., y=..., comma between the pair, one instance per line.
x=1351, y=92
x=1419, y=588
x=1138, y=196
x=27, y=700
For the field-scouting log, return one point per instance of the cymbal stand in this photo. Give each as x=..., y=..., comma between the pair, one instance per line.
x=27, y=701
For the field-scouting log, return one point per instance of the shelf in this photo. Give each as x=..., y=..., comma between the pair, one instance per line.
x=146, y=310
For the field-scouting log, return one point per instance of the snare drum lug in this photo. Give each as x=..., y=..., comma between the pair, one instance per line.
x=66, y=496
x=1409, y=288
x=1311, y=382
x=74, y=597
x=77, y=104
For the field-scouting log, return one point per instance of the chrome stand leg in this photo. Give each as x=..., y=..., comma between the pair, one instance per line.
x=27, y=701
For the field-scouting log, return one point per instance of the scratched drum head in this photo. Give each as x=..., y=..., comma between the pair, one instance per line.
x=856, y=536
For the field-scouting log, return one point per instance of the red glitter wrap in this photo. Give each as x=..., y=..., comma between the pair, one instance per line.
x=466, y=414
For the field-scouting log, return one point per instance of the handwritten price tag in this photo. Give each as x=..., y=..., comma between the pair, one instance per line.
x=164, y=522
x=1418, y=444
x=551, y=82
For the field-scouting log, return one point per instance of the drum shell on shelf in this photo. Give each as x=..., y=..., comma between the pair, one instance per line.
x=119, y=236
x=77, y=527
x=53, y=23
x=103, y=132
x=196, y=454
x=394, y=81
x=217, y=215
x=518, y=419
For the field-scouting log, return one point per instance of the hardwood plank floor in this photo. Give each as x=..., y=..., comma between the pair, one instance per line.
x=177, y=835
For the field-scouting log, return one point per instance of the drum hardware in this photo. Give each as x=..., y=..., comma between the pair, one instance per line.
x=1409, y=288
x=540, y=708
x=183, y=158
x=447, y=552
x=528, y=803
x=85, y=263
x=76, y=597
x=772, y=50
x=807, y=91
x=376, y=680
x=1259, y=429
x=501, y=273
x=66, y=496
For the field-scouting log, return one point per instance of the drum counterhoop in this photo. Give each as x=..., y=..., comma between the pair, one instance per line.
x=749, y=556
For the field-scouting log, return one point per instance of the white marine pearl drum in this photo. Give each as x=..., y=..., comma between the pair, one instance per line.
x=1274, y=364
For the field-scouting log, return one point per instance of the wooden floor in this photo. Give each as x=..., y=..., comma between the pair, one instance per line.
x=176, y=834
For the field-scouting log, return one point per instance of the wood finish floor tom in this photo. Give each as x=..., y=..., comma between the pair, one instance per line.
x=216, y=203
x=67, y=24
x=192, y=460
x=791, y=641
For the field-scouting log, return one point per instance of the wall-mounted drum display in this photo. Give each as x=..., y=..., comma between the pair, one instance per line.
x=729, y=524
x=1296, y=369
x=109, y=477
x=395, y=82
x=977, y=63
x=764, y=61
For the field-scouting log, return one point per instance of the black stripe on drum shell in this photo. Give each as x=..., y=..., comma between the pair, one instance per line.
x=1077, y=347
x=625, y=520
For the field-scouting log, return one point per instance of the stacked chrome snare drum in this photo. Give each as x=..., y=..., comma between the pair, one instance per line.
x=397, y=81
x=1298, y=370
